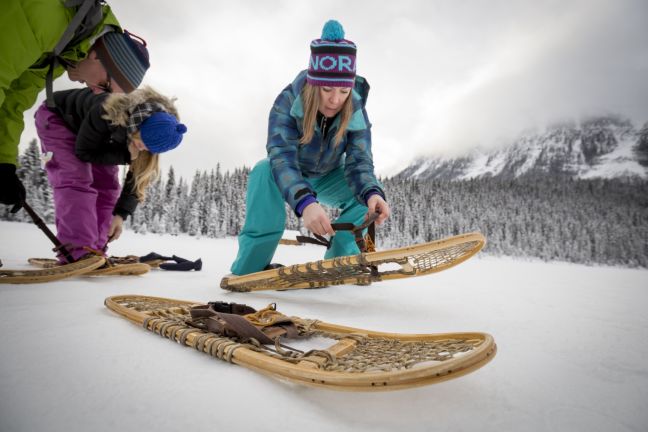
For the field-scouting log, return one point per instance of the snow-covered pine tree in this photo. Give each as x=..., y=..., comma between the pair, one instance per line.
x=169, y=189
x=34, y=178
x=183, y=204
x=170, y=205
x=194, y=206
x=204, y=197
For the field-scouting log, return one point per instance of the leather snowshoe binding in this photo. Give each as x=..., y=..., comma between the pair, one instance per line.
x=243, y=322
x=366, y=243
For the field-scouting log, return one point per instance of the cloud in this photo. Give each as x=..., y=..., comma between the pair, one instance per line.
x=445, y=76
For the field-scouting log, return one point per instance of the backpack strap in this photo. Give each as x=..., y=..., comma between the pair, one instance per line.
x=84, y=22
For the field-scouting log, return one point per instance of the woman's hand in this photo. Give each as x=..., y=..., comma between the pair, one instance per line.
x=116, y=228
x=316, y=220
x=377, y=204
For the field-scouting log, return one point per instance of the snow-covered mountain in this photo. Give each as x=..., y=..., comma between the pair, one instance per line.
x=597, y=147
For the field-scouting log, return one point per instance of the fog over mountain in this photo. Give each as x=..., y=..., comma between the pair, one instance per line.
x=597, y=147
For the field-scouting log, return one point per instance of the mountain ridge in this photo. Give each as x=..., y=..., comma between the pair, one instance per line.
x=596, y=147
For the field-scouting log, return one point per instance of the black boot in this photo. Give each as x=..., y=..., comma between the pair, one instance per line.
x=185, y=265
x=153, y=256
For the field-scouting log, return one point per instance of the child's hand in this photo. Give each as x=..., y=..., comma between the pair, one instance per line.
x=116, y=228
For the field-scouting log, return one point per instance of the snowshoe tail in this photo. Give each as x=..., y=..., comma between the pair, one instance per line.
x=118, y=266
x=52, y=273
x=134, y=269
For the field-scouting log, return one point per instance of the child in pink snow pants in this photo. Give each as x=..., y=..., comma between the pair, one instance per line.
x=85, y=193
x=86, y=136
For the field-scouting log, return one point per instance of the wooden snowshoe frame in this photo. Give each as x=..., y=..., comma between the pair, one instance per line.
x=120, y=266
x=363, y=269
x=358, y=360
x=134, y=269
x=53, y=273
x=290, y=242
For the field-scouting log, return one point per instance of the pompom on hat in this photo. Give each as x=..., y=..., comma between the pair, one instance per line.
x=161, y=132
x=125, y=58
x=333, y=58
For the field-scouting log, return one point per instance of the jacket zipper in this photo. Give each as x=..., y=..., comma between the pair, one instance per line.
x=323, y=142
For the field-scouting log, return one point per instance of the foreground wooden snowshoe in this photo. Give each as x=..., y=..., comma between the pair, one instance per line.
x=115, y=266
x=357, y=359
x=364, y=268
x=52, y=273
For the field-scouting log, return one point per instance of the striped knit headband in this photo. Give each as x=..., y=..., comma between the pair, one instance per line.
x=125, y=58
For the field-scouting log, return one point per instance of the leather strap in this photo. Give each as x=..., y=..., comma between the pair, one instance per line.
x=363, y=245
x=235, y=325
x=228, y=319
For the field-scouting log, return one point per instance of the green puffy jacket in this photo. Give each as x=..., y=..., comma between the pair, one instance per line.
x=30, y=30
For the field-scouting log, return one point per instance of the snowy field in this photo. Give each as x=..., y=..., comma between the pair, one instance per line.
x=572, y=340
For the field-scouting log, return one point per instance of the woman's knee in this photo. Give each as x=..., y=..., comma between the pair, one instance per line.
x=261, y=169
x=261, y=180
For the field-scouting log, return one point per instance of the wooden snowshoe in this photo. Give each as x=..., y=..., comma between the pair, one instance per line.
x=128, y=259
x=121, y=266
x=52, y=273
x=134, y=269
x=364, y=268
x=357, y=359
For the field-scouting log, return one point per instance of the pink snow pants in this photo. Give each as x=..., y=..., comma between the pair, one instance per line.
x=84, y=193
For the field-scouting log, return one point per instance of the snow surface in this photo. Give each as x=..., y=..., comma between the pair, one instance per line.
x=572, y=339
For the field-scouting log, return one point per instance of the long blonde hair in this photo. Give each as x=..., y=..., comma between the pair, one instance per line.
x=311, y=99
x=145, y=169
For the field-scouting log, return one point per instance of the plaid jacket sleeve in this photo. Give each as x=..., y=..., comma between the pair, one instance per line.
x=283, y=148
x=359, y=168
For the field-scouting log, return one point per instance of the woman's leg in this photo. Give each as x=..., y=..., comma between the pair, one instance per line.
x=106, y=183
x=265, y=219
x=71, y=180
x=333, y=191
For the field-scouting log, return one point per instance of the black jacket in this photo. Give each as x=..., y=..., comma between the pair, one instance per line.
x=97, y=140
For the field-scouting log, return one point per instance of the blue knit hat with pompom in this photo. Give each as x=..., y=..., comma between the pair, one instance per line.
x=161, y=132
x=332, y=59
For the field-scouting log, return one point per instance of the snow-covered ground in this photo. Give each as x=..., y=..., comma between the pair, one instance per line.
x=573, y=344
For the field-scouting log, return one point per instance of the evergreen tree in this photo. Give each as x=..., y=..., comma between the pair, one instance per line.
x=596, y=221
x=170, y=184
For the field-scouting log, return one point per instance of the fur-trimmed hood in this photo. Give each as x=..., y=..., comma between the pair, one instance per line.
x=119, y=106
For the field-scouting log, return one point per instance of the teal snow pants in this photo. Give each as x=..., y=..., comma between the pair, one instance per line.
x=265, y=217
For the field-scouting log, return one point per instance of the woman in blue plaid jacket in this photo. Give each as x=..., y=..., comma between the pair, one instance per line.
x=319, y=151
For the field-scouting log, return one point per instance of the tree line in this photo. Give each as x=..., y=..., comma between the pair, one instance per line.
x=594, y=221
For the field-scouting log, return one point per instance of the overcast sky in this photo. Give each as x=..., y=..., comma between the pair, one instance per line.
x=445, y=75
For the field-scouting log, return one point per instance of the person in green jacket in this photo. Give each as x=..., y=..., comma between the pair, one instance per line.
x=101, y=55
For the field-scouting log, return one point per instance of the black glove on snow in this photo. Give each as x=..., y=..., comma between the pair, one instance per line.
x=12, y=190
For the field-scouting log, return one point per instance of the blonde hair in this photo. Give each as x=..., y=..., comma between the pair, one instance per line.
x=311, y=99
x=145, y=169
